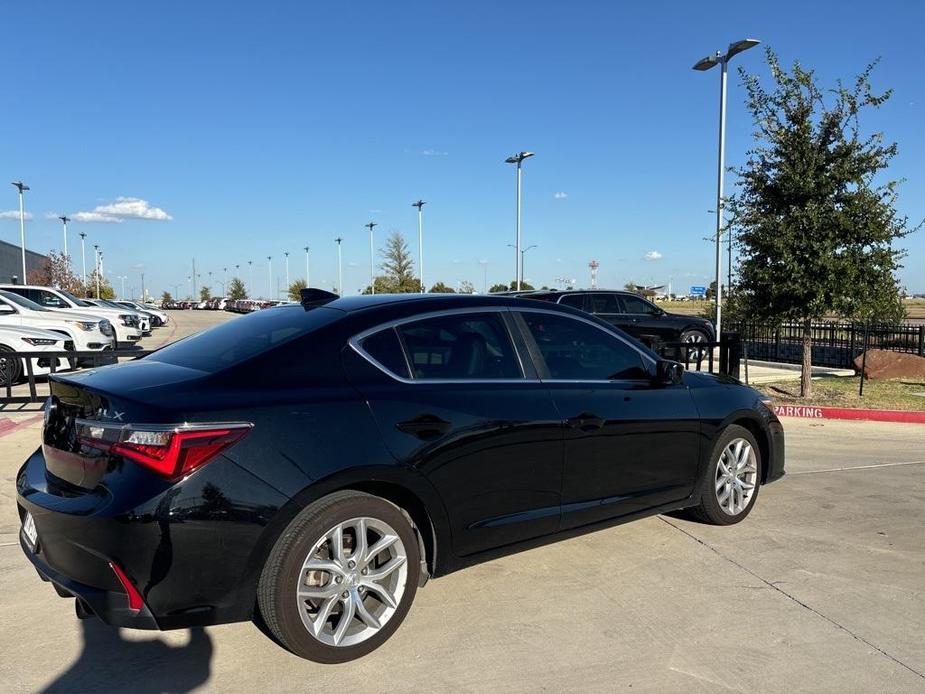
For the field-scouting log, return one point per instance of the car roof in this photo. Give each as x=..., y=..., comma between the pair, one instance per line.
x=436, y=301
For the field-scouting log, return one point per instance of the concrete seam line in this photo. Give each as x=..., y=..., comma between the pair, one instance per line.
x=856, y=467
x=799, y=602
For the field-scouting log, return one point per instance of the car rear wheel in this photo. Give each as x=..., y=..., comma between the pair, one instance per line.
x=10, y=366
x=341, y=578
x=694, y=338
x=730, y=484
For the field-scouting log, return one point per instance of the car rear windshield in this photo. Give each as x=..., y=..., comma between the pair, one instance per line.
x=244, y=337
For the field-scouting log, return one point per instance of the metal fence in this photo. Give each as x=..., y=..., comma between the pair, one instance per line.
x=72, y=357
x=834, y=344
x=724, y=357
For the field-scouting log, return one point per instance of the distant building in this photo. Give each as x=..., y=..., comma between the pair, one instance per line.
x=11, y=262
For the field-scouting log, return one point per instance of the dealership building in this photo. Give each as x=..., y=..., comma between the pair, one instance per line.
x=11, y=263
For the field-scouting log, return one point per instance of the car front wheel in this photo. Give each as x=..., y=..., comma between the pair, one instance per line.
x=341, y=578
x=729, y=487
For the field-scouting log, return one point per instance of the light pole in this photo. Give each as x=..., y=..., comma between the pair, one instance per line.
x=372, y=258
x=340, y=268
x=83, y=257
x=64, y=220
x=286, y=253
x=142, y=288
x=96, y=253
x=523, y=252
x=307, y=283
x=269, y=277
x=722, y=59
x=519, y=160
x=484, y=264
x=123, y=278
x=420, y=205
x=22, y=225
x=250, y=265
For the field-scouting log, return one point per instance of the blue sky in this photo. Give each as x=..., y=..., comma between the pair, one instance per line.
x=259, y=129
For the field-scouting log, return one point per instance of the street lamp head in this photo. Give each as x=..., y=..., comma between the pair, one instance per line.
x=64, y=218
x=419, y=204
x=708, y=62
x=22, y=186
x=518, y=158
x=307, y=249
x=739, y=46
x=338, y=240
x=371, y=225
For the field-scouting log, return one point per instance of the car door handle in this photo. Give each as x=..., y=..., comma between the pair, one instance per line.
x=586, y=421
x=425, y=426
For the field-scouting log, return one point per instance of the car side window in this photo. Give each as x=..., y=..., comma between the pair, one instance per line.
x=385, y=347
x=604, y=303
x=460, y=346
x=635, y=304
x=578, y=351
x=49, y=299
x=573, y=300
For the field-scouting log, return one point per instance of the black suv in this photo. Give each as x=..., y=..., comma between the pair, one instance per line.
x=631, y=313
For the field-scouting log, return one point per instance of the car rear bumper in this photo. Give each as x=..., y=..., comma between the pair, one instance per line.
x=110, y=606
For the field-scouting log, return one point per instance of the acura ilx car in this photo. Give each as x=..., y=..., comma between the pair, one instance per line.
x=311, y=466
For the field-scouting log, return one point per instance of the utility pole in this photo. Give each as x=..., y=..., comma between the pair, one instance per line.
x=484, y=264
x=22, y=225
x=83, y=257
x=340, y=269
x=96, y=252
x=307, y=283
x=64, y=220
x=372, y=258
x=420, y=205
x=519, y=160
x=286, y=253
x=269, y=277
x=194, y=279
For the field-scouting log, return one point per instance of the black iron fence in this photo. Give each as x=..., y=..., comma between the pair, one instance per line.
x=17, y=370
x=834, y=344
x=723, y=357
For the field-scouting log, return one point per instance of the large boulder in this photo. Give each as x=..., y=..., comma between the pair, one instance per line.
x=882, y=363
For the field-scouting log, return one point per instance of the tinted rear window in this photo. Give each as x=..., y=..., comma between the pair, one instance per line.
x=242, y=338
x=385, y=348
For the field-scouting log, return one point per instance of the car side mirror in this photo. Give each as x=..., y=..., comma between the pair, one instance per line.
x=667, y=371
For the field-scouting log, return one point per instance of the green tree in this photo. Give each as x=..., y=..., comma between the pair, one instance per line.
x=815, y=221
x=205, y=293
x=105, y=289
x=524, y=286
x=466, y=287
x=441, y=288
x=295, y=290
x=498, y=288
x=166, y=298
x=236, y=289
x=397, y=267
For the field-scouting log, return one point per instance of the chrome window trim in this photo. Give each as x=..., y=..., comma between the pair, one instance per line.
x=355, y=343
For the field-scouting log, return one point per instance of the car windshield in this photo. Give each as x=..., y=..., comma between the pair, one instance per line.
x=240, y=339
x=22, y=301
x=79, y=302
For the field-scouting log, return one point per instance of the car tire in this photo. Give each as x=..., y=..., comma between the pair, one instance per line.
x=727, y=494
x=306, y=578
x=9, y=360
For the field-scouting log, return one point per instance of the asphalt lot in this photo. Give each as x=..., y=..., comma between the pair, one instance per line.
x=820, y=589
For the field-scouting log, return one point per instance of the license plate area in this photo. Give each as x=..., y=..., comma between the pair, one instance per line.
x=29, y=532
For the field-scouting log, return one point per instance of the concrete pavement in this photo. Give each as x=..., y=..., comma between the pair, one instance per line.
x=820, y=590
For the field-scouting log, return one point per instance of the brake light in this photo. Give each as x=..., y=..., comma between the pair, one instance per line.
x=176, y=453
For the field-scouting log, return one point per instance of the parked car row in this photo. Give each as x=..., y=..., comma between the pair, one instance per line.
x=249, y=305
x=35, y=318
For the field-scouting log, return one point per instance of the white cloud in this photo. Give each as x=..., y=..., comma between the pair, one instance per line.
x=652, y=255
x=14, y=214
x=433, y=153
x=123, y=208
x=560, y=195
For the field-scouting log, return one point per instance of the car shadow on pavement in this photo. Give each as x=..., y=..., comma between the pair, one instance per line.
x=108, y=662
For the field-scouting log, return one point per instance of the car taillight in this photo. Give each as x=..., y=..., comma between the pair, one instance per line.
x=177, y=452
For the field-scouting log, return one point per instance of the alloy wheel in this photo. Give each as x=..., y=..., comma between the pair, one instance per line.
x=352, y=581
x=736, y=476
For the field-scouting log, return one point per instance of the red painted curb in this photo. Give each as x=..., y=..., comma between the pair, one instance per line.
x=8, y=426
x=812, y=412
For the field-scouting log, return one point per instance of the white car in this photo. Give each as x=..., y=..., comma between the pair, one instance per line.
x=147, y=308
x=141, y=320
x=85, y=333
x=18, y=339
x=123, y=322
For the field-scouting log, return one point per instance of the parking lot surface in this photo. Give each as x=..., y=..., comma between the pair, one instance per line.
x=820, y=589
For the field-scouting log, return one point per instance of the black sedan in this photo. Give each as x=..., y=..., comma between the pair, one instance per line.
x=647, y=322
x=311, y=466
